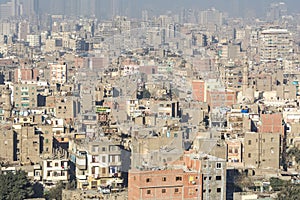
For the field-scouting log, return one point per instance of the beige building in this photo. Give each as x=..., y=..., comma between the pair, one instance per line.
x=262, y=150
x=98, y=163
x=25, y=95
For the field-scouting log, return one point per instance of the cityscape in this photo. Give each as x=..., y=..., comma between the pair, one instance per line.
x=149, y=100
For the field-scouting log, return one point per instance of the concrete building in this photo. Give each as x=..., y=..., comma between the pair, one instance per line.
x=58, y=73
x=25, y=74
x=34, y=40
x=8, y=141
x=55, y=170
x=271, y=123
x=274, y=45
x=25, y=95
x=98, y=163
x=199, y=90
x=194, y=176
x=262, y=151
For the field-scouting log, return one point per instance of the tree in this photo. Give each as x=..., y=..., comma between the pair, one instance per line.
x=290, y=192
x=55, y=192
x=243, y=182
x=294, y=152
x=15, y=186
x=146, y=94
x=277, y=184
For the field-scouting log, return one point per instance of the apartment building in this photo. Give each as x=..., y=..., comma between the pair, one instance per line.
x=55, y=170
x=262, y=151
x=25, y=95
x=98, y=163
x=194, y=176
x=58, y=73
x=274, y=45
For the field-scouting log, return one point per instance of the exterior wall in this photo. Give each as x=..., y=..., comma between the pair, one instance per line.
x=58, y=73
x=25, y=74
x=148, y=69
x=234, y=151
x=64, y=108
x=200, y=178
x=262, y=150
x=28, y=144
x=163, y=184
x=98, y=166
x=274, y=44
x=199, y=91
x=271, y=123
x=217, y=98
x=55, y=170
x=7, y=144
x=25, y=95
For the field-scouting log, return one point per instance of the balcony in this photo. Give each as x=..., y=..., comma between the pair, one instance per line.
x=116, y=163
x=81, y=177
x=81, y=162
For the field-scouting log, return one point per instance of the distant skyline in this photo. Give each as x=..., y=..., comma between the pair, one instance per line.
x=133, y=8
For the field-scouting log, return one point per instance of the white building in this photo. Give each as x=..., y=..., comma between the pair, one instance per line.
x=34, y=40
x=274, y=45
x=55, y=170
x=58, y=73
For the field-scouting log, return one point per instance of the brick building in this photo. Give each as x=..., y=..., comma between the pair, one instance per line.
x=271, y=123
x=199, y=90
x=194, y=176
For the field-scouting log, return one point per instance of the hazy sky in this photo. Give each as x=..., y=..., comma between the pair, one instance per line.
x=233, y=7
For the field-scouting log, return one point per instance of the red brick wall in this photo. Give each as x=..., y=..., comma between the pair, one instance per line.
x=198, y=87
x=271, y=123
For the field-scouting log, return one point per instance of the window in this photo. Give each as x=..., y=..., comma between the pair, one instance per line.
x=163, y=191
x=272, y=139
x=191, y=191
x=148, y=191
x=46, y=141
x=218, y=189
x=219, y=165
x=218, y=178
x=249, y=142
x=209, y=178
x=148, y=180
x=164, y=179
x=178, y=178
x=272, y=150
x=249, y=155
x=176, y=190
x=95, y=148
